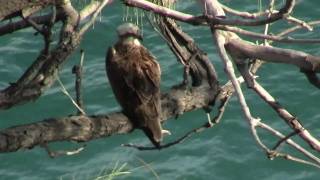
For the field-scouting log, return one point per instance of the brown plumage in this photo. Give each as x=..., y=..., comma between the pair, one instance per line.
x=134, y=75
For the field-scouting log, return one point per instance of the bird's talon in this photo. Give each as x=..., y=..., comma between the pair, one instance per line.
x=210, y=123
x=165, y=132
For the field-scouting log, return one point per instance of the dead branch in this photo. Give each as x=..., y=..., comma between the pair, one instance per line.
x=266, y=37
x=42, y=73
x=85, y=128
x=300, y=59
x=179, y=99
x=223, y=42
x=77, y=70
x=16, y=7
x=295, y=28
x=257, y=15
x=210, y=19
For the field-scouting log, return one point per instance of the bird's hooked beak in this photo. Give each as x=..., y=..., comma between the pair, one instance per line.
x=139, y=36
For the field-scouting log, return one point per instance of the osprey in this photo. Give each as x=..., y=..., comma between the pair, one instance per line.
x=134, y=75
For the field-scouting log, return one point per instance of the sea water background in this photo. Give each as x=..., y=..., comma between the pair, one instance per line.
x=225, y=152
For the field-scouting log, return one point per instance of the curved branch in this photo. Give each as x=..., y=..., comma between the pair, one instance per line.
x=256, y=15
x=44, y=19
x=201, y=20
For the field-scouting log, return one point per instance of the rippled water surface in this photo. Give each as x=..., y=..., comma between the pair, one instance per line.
x=227, y=151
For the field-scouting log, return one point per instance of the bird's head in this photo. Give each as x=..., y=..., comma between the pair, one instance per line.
x=128, y=30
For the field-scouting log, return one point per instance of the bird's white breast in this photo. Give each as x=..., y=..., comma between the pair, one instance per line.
x=136, y=42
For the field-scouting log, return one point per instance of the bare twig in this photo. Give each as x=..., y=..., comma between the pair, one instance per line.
x=267, y=13
x=64, y=91
x=178, y=141
x=292, y=121
x=295, y=28
x=101, y=5
x=283, y=140
x=215, y=120
x=54, y=154
x=276, y=133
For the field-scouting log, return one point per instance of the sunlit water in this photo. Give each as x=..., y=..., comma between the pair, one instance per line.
x=227, y=151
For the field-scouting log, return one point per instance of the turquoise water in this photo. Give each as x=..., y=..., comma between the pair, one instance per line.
x=227, y=151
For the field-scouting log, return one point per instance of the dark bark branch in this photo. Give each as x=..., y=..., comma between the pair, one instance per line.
x=12, y=8
x=283, y=140
x=15, y=26
x=312, y=78
x=86, y=128
x=45, y=19
x=210, y=124
x=42, y=73
x=189, y=54
x=77, y=70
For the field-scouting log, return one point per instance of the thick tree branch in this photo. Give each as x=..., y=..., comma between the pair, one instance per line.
x=86, y=128
x=188, y=54
x=12, y=8
x=222, y=41
x=45, y=19
x=42, y=73
x=300, y=59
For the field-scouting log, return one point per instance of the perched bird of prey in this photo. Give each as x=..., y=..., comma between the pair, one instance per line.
x=134, y=75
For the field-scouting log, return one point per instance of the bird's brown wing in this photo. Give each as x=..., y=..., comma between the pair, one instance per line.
x=144, y=79
x=114, y=70
x=135, y=79
x=143, y=75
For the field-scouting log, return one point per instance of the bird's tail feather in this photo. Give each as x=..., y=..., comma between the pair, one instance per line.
x=149, y=134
